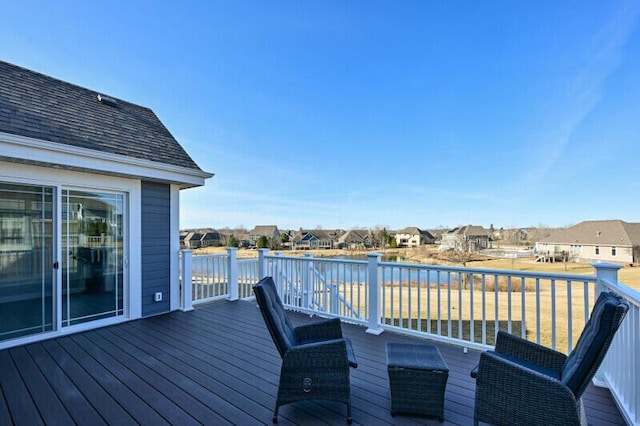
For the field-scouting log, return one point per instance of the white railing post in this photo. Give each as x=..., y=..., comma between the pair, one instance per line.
x=609, y=273
x=262, y=263
x=605, y=271
x=306, y=282
x=187, y=285
x=233, y=272
x=374, y=294
x=334, y=299
x=277, y=269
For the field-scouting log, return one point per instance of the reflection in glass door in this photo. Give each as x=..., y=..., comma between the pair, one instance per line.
x=92, y=256
x=26, y=260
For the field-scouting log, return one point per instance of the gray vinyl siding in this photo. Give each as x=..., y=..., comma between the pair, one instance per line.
x=156, y=240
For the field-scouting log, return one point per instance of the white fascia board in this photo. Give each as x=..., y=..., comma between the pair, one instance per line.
x=174, y=221
x=37, y=150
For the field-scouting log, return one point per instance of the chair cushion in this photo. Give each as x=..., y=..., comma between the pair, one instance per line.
x=550, y=372
x=274, y=314
x=593, y=342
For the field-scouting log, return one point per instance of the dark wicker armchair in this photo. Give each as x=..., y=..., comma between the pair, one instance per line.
x=315, y=357
x=522, y=383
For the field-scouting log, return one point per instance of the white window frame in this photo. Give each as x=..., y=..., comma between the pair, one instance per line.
x=69, y=179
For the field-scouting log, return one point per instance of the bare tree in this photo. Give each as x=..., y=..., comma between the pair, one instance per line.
x=380, y=237
x=462, y=253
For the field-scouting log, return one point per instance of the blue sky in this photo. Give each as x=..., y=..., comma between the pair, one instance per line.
x=345, y=114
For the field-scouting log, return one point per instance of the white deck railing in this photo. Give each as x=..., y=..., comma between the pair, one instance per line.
x=620, y=371
x=457, y=305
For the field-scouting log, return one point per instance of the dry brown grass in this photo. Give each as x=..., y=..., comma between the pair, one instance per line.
x=420, y=307
x=629, y=275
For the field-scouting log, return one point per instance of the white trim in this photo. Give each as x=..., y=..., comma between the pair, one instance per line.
x=61, y=332
x=39, y=151
x=174, y=248
x=57, y=241
x=134, y=264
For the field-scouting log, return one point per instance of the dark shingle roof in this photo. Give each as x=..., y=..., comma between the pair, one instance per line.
x=595, y=232
x=469, y=231
x=42, y=107
x=414, y=230
x=264, y=230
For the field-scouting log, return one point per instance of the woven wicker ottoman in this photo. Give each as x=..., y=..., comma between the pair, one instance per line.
x=417, y=379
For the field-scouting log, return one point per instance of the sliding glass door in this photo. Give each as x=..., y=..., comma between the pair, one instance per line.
x=26, y=260
x=92, y=234
x=92, y=256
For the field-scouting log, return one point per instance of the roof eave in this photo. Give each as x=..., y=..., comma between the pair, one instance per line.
x=38, y=151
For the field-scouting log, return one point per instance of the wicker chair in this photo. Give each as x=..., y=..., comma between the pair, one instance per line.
x=522, y=383
x=315, y=357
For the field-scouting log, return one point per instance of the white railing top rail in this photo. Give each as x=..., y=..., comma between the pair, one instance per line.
x=309, y=257
x=486, y=271
x=632, y=296
x=465, y=269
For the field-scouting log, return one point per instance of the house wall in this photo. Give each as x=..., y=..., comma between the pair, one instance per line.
x=622, y=254
x=583, y=252
x=407, y=240
x=156, y=247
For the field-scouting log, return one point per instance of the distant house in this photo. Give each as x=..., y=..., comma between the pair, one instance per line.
x=469, y=238
x=192, y=241
x=312, y=239
x=210, y=238
x=520, y=235
x=183, y=234
x=199, y=238
x=268, y=231
x=595, y=240
x=89, y=208
x=413, y=237
x=437, y=234
x=356, y=239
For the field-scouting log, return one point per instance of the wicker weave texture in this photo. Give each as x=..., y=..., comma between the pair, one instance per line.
x=315, y=361
x=417, y=379
x=523, y=383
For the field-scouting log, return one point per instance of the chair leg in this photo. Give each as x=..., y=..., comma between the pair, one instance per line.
x=349, y=418
x=275, y=414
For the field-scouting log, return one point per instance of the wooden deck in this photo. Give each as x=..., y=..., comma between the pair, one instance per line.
x=215, y=365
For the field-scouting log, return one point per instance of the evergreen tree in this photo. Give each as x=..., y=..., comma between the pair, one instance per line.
x=262, y=242
x=393, y=243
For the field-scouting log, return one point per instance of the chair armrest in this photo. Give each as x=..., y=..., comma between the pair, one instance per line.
x=517, y=347
x=322, y=330
x=508, y=393
x=330, y=354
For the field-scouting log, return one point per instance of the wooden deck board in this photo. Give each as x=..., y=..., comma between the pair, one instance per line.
x=100, y=368
x=140, y=379
x=73, y=400
x=215, y=365
x=83, y=382
x=52, y=410
x=16, y=393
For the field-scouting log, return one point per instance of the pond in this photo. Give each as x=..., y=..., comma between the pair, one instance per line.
x=399, y=273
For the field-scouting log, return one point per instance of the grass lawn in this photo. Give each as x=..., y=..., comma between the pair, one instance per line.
x=524, y=312
x=628, y=275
